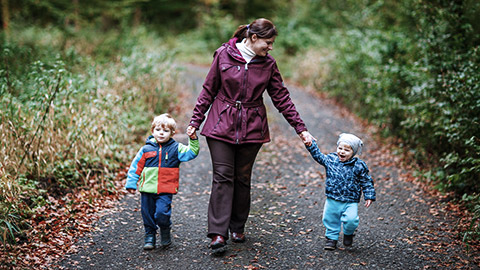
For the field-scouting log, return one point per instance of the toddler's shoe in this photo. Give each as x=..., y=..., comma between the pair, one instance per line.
x=166, y=238
x=348, y=240
x=330, y=244
x=149, y=242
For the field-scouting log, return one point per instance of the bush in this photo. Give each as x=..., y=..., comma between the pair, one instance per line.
x=447, y=104
x=473, y=231
x=414, y=71
x=371, y=72
x=423, y=88
x=68, y=118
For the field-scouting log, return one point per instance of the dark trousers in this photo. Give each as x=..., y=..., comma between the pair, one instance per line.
x=229, y=204
x=156, y=210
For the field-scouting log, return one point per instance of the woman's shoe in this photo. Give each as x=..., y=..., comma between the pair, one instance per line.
x=218, y=245
x=238, y=237
x=218, y=241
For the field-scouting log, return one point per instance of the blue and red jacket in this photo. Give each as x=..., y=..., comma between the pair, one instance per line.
x=155, y=168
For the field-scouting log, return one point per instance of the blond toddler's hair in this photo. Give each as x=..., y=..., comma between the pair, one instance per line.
x=164, y=120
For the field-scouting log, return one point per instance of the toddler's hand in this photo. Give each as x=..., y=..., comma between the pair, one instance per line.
x=307, y=138
x=192, y=132
x=368, y=203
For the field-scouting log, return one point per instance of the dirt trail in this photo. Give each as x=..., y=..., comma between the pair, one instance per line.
x=402, y=230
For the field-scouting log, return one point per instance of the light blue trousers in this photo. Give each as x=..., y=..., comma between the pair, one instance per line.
x=335, y=214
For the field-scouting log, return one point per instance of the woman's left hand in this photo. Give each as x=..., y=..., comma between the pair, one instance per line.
x=307, y=138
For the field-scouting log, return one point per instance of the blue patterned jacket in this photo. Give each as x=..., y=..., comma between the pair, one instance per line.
x=345, y=180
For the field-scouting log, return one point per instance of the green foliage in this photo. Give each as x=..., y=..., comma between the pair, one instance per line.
x=423, y=88
x=450, y=103
x=293, y=37
x=411, y=67
x=367, y=71
x=68, y=13
x=473, y=204
x=198, y=45
x=217, y=27
x=8, y=226
x=450, y=122
x=170, y=16
x=68, y=117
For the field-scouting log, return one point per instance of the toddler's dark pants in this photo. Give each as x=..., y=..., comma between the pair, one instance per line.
x=229, y=204
x=156, y=210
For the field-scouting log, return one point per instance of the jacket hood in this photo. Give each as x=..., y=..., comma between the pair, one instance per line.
x=232, y=50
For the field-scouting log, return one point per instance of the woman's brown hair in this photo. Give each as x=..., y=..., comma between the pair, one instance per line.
x=263, y=28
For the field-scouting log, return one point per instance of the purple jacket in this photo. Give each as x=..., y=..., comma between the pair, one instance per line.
x=233, y=92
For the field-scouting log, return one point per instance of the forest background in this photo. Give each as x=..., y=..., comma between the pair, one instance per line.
x=81, y=80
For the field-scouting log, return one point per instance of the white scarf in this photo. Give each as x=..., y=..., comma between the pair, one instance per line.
x=246, y=52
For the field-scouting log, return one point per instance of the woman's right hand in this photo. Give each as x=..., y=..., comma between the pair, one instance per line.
x=307, y=138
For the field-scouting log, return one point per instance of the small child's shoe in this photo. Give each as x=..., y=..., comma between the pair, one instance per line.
x=149, y=242
x=166, y=238
x=348, y=240
x=330, y=244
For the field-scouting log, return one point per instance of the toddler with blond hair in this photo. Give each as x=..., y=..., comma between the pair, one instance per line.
x=155, y=173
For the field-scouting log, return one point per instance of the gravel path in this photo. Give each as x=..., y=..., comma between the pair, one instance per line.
x=403, y=229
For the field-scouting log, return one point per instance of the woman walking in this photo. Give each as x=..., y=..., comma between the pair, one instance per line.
x=236, y=126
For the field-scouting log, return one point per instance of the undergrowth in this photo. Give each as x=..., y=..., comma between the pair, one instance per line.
x=71, y=106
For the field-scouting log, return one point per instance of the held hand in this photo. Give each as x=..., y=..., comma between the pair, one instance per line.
x=368, y=203
x=191, y=132
x=131, y=190
x=307, y=138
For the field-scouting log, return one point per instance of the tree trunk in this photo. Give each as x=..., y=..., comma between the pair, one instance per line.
x=6, y=18
x=137, y=17
x=76, y=17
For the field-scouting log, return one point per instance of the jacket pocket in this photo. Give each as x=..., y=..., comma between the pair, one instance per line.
x=219, y=122
x=256, y=123
x=222, y=112
x=232, y=77
x=226, y=67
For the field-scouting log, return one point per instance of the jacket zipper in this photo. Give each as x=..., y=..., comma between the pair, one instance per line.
x=239, y=108
x=159, y=163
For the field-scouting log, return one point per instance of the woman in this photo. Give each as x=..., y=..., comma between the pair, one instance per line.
x=236, y=126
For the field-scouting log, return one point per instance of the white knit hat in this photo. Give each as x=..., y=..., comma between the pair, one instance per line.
x=351, y=140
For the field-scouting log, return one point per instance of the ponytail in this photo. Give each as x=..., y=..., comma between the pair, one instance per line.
x=241, y=32
x=263, y=28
